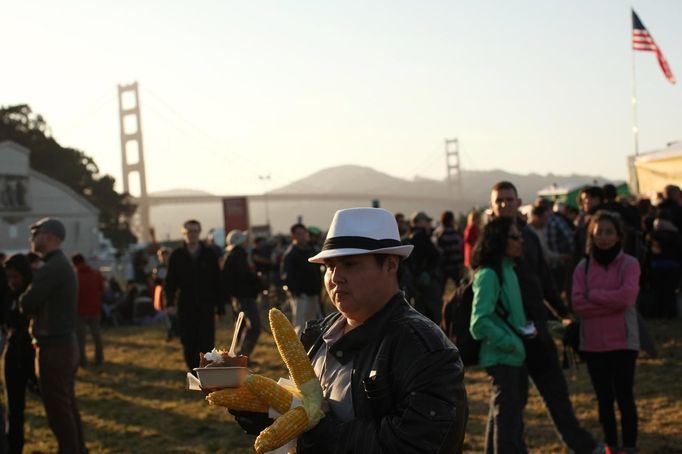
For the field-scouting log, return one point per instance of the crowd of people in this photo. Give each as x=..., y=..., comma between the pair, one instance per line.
x=597, y=268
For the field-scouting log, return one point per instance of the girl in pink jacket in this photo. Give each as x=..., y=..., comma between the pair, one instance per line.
x=605, y=288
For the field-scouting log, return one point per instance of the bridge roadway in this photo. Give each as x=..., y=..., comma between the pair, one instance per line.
x=284, y=197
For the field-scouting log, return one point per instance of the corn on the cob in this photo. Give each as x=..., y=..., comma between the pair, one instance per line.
x=259, y=393
x=267, y=390
x=285, y=428
x=290, y=348
x=241, y=399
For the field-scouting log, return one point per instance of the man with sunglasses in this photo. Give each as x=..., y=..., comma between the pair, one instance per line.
x=537, y=285
x=51, y=302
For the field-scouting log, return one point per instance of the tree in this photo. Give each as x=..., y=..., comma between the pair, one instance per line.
x=71, y=167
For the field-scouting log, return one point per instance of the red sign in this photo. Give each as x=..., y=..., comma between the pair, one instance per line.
x=236, y=214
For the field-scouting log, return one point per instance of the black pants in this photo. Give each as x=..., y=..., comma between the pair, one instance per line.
x=664, y=282
x=197, y=335
x=551, y=384
x=19, y=368
x=57, y=363
x=613, y=378
x=508, y=397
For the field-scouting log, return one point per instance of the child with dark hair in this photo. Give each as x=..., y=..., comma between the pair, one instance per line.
x=605, y=288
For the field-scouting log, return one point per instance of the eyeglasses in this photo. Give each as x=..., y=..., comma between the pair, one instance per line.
x=515, y=236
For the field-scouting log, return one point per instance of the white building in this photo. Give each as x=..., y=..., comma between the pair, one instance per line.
x=26, y=196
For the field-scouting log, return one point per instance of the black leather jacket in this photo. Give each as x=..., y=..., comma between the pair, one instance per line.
x=407, y=385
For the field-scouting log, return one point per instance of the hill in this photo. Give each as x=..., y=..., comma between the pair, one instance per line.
x=475, y=183
x=368, y=184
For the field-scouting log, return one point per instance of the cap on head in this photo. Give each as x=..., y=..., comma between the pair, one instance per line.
x=50, y=225
x=235, y=238
x=357, y=231
x=419, y=216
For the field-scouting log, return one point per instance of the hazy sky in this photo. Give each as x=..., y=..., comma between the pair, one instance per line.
x=233, y=90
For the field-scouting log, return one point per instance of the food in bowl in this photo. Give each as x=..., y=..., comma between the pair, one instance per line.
x=217, y=369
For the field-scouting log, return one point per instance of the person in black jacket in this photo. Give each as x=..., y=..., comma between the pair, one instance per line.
x=303, y=279
x=392, y=380
x=449, y=240
x=423, y=266
x=665, y=263
x=192, y=288
x=242, y=285
x=19, y=357
x=536, y=284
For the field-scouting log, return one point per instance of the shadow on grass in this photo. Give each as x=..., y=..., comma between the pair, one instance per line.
x=139, y=382
x=157, y=430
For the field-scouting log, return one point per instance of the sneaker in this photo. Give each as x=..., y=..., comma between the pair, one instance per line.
x=626, y=450
x=601, y=448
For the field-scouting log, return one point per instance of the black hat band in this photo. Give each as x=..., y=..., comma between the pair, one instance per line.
x=358, y=242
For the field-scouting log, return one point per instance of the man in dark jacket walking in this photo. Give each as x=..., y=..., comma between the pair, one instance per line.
x=192, y=288
x=241, y=285
x=303, y=279
x=537, y=285
x=423, y=266
x=51, y=302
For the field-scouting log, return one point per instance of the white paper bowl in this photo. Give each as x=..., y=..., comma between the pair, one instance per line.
x=221, y=377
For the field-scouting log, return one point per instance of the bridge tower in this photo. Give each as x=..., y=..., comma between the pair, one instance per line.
x=452, y=163
x=132, y=158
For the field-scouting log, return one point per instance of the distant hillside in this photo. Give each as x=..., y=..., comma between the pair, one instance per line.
x=475, y=183
x=345, y=179
x=368, y=183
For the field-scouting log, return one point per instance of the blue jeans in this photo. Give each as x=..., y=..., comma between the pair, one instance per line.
x=508, y=397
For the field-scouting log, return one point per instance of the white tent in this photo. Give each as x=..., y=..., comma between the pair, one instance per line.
x=656, y=169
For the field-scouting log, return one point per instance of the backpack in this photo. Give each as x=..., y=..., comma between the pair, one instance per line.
x=455, y=323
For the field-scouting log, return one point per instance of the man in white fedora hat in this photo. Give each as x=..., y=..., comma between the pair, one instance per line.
x=391, y=378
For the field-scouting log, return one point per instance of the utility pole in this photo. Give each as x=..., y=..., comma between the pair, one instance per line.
x=266, y=179
x=452, y=163
x=132, y=158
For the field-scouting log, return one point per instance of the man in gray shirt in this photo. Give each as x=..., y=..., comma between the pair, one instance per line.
x=51, y=302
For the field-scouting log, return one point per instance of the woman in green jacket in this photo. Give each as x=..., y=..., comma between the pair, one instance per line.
x=498, y=321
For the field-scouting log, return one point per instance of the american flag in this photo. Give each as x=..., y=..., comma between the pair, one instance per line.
x=643, y=41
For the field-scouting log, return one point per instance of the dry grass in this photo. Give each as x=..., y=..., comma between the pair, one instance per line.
x=136, y=402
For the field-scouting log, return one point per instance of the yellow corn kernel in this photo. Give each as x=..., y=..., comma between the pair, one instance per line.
x=240, y=399
x=285, y=428
x=267, y=390
x=290, y=348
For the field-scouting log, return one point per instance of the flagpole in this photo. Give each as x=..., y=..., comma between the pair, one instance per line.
x=635, y=128
x=634, y=179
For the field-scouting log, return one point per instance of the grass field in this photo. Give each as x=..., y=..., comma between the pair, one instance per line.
x=136, y=401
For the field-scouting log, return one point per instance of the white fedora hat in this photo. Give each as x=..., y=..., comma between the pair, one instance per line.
x=356, y=231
